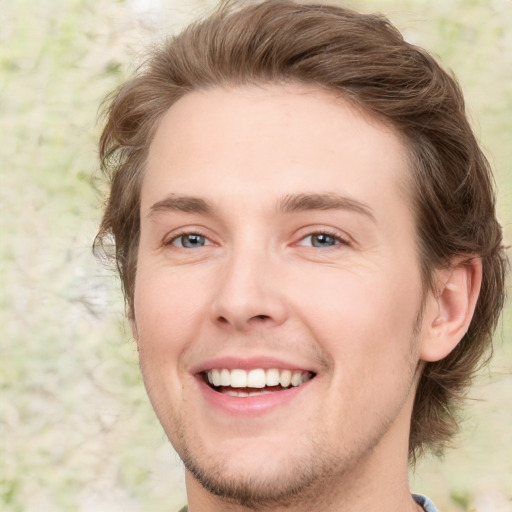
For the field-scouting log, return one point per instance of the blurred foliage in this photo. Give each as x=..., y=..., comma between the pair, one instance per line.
x=77, y=432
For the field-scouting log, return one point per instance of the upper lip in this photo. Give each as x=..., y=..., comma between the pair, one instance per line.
x=248, y=363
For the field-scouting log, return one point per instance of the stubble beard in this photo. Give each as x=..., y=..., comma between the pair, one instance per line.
x=298, y=480
x=306, y=478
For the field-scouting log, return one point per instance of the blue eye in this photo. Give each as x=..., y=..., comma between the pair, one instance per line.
x=320, y=240
x=323, y=240
x=190, y=241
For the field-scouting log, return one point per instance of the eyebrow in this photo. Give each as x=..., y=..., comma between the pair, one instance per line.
x=329, y=201
x=178, y=203
x=287, y=204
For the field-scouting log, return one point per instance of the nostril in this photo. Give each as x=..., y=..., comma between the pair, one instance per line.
x=242, y=322
x=261, y=317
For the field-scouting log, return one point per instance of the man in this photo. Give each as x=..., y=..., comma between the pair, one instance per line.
x=305, y=231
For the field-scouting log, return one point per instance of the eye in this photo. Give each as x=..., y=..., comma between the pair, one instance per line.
x=189, y=241
x=321, y=240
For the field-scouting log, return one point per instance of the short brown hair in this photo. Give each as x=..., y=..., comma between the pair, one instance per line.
x=364, y=59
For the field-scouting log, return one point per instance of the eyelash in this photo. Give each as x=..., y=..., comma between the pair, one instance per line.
x=183, y=233
x=332, y=234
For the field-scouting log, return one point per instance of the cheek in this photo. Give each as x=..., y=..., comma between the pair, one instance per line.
x=363, y=317
x=168, y=313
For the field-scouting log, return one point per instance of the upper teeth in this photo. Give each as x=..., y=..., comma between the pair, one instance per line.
x=257, y=378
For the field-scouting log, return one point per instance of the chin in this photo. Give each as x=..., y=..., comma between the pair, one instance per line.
x=261, y=472
x=255, y=483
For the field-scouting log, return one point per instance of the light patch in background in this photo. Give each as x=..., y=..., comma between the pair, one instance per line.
x=140, y=6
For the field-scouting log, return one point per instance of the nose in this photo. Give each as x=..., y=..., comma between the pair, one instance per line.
x=250, y=292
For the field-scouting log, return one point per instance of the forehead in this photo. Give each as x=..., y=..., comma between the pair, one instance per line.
x=250, y=144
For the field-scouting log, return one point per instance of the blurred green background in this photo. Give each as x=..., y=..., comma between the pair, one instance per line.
x=76, y=429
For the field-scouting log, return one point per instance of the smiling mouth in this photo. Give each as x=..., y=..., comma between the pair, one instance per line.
x=244, y=383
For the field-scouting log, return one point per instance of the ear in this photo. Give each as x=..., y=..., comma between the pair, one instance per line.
x=450, y=309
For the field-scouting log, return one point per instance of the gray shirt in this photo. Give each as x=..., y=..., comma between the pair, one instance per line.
x=427, y=504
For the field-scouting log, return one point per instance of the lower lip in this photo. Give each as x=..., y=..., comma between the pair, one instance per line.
x=250, y=405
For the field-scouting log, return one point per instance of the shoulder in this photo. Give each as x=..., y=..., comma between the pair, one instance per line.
x=425, y=502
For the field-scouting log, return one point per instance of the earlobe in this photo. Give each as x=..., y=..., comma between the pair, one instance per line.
x=451, y=308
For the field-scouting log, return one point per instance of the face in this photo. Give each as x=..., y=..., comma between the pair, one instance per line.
x=278, y=289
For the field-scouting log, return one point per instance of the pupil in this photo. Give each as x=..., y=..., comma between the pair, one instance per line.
x=322, y=240
x=193, y=241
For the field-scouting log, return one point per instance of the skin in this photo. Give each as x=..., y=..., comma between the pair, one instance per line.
x=259, y=284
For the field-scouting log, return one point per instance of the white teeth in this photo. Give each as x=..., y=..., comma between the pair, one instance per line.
x=246, y=393
x=257, y=378
x=296, y=379
x=237, y=393
x=216, y=377
x=238, y=379
x=285, y=378
x=225, y=377
x=272, y=377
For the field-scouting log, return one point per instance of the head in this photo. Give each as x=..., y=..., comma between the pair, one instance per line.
x=361, y=66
